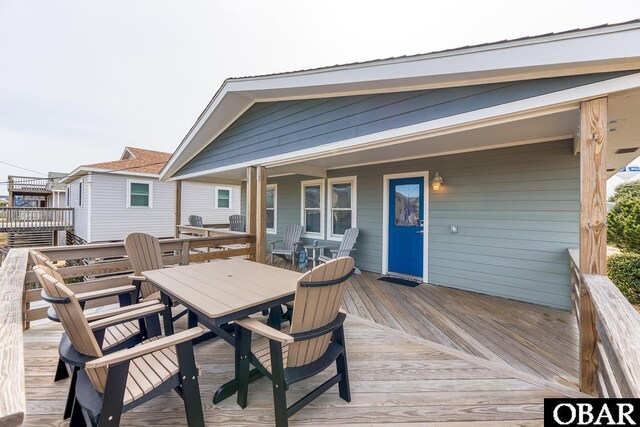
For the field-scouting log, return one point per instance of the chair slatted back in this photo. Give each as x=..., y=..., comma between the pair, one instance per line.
x=316, y=307
x=73, y=321
x=237, y=223
x=195, y=221
x=291, y=236
x=348, y=242
x=38, y=258
x=145, y=254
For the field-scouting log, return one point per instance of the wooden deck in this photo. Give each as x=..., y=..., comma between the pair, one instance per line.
x=530, y=338
x=395, y=378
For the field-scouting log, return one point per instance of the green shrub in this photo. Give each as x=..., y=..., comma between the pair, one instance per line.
x=623, y=224
x=624, y=272
x=628, y=189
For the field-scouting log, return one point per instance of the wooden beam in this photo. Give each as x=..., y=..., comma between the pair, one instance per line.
x=251, y=200
x=302, y=169
x=178, y=209
x=261, y=214
x=593, y=180
x=12, y=389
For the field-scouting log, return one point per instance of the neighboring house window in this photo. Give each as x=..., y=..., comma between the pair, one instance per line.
x=342, y=205
x=272, y=208
x=139, y=194
x=313, y=208
x=223, y=198
x=80, y=194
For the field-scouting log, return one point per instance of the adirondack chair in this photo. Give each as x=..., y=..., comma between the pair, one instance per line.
x=112, y=384
x=345, y=248
x=290, y=241
x=145, y=254
x=123, y=334
x=314, y=343
x=237, y=223
x=195, y=221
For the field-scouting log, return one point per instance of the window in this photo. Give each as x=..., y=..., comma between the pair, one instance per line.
x=342, y=205
x=272, y=208
x=139, y=194
x=80, y=193
x=223, y=198
x=313, y=208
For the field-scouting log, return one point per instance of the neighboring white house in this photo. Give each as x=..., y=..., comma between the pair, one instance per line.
x=629, y=173
x=113, y=199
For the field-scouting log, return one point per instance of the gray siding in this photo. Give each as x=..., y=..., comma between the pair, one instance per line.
x=112, y=220
x=80, y=211
x=517, y=210
x=268, y=129
x=199, y=199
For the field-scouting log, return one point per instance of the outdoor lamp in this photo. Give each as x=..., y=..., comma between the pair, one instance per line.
x=436, y=182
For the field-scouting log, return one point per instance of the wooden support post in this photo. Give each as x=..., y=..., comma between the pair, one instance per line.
x=251, y=202
x=178, y=210
x=593, y=192
x=593, y=228
x=261, y=214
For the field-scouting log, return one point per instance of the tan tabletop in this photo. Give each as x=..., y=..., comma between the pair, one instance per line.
x=220, y=289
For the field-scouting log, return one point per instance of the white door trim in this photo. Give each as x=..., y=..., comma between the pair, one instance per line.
x=385, y=220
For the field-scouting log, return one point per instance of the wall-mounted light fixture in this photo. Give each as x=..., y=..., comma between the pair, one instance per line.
x=436, y=182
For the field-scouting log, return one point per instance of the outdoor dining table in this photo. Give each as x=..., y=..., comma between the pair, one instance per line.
x=219, y=292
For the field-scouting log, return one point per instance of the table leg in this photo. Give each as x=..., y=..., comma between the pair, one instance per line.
x=166, y=315
x=275, y=317
x=230, y=388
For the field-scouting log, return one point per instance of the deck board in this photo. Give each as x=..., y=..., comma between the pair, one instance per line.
x=396, y=378
x=538, y=340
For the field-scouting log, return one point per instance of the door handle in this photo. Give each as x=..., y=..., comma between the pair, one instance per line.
x=420, y=232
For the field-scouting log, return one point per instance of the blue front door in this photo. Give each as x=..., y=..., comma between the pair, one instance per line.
x=406, y=220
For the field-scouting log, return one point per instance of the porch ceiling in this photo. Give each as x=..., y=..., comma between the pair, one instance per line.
x=624, y=115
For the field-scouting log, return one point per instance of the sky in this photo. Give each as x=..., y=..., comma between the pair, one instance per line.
x=80, y=80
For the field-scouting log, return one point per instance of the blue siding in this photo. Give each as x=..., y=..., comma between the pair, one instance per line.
x=517, y=210
x=268, y=129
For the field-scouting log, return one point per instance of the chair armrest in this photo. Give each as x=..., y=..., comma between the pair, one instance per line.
x=264, y=330
x=88, y=296
x=273, y=242
x=149, y=347
x=333, y=251
x=126, y=317
x=117, y=311
x=139, y=278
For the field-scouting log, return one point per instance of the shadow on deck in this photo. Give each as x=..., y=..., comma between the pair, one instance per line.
x=533, y=339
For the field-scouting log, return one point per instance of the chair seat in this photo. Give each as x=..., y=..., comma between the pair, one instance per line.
x=152, y=297
x=282, y=251
x=260, y=349
x=146, y=373
x=116, y=334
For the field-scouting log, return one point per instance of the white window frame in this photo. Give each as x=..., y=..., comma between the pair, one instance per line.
x=274, y=230
x=139, y=181
x=310, y=183
x=229, y=189
x=353, y=180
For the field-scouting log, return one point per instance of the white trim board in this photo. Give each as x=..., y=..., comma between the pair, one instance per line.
x=555, y=102
x=385, y=220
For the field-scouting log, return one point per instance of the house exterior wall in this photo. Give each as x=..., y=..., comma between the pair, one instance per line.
x=517, y=210
x=200, y=199
x=274, y=128
x=111, y=219
x=80, y=210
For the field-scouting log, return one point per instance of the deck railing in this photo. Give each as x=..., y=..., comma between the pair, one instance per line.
x=108, y=266
x=28, y=184
x=609, y=335
x=13, y=219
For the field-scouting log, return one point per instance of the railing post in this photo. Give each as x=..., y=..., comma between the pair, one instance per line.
x=251, y=203
x=588, y=343
x=261, y=214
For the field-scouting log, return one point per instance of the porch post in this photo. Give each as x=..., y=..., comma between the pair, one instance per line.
x=593, y=193
x=593, y=228
x=178, y=209
x=251, y=200
x=261, y=214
